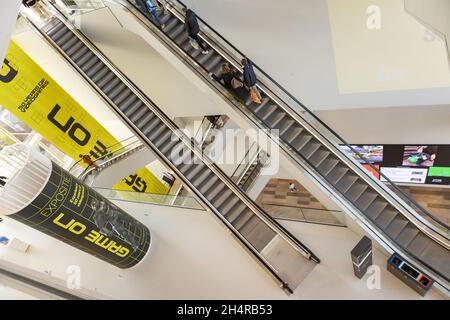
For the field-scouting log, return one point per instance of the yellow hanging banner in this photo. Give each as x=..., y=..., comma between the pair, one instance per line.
x=29, y=93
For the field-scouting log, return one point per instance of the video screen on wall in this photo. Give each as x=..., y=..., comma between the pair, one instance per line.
x=366, y=154
x=418, y=164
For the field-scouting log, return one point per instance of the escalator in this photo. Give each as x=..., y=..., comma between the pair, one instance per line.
x=262, y=236
x=398, y=222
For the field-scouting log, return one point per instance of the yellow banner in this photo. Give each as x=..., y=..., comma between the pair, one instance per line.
x=28, y=92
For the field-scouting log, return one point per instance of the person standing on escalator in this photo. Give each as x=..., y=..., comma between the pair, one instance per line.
x=151, y=8
x=192, y=28
x=250, y=80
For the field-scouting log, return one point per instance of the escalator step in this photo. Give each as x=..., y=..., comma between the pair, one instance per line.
x=407, y=235
x=167, y=149
x=396, y=226
x=208, y=185
x=219, y=199
x=419, y=244
x=144, y=121
x=73, y=41
x=375, y=208
x=310, y=148
x=126, y=96
x=106, y=80
x=150, y=126
x=264, y=113
x=60, y=32
x=156, y=134
x=260, y=236
x=319, y=157
x=215, y=191
x=74, y=48
x=90, y=64
x=356, y=191
x=236, y=211
x=365, y=200
x=112, y=87
x=58, y=27
x=176, y=31
x=197, y=170
x=328, y=165
x=131, y=100
x=85, y=58
x=386, y=217
x=95, y=70
x=246, y=215
x=248, y=226
x=292, y=134
x=212, y=65
x=65, y=38
x=336, y=174
x=301, y=141
x=96, y=78
x=285, y=125
x=165, y=138
x=346, y=182
x=200, y=178
x=118, y=90
x=76, y=56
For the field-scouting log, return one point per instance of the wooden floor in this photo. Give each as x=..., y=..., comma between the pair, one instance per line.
x=434, y=200
x=276, y=192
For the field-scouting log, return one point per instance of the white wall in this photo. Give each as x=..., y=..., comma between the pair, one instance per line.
x=8, y=14
x=433, y=13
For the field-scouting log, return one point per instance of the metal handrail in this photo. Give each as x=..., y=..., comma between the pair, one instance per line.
x=277, y=228
x=384, y=239
x=358, y=169
x=344, y=142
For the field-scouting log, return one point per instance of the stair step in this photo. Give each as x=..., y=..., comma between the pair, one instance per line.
x=232, y=215
x=408, y=233
x=207, y=186
x=319, y=157
x=356, y=191
x=396, y=227
x=243, y=218
x=386, y=217
x=336, y=174
x=375, y=208
x=419, y=244
x=309, y=149
x=227, y=206
x=260, y=236
x=365, y=200
x=346, y=182
x=219, y=199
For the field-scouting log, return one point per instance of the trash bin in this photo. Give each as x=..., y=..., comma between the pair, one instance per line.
x=362, y=257
x=413, y=278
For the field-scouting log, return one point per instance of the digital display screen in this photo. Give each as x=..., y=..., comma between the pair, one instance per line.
x=419, y=156
x=367, y=154
x=434, y=159
x=405, y=175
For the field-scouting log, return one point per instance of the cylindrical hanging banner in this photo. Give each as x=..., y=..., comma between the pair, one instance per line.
x=74, y=213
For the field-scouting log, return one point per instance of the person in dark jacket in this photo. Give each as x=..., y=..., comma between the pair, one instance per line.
x=230, y=79
x=250, y=80
x=193, y=28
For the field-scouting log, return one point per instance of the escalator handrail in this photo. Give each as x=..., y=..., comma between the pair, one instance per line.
x=380, y=233
x=279, y=230
x=344, y=142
